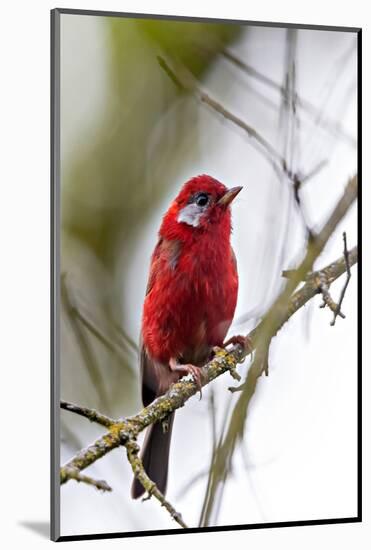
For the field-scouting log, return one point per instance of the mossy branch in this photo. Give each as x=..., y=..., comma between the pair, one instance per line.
x=124, y=432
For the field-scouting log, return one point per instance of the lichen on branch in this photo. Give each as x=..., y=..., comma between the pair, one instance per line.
x=124, y=432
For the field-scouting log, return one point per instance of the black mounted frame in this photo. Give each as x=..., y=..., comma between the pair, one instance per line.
x=55, y=276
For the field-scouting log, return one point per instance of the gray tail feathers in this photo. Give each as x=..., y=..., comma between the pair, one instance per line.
x=155, y=456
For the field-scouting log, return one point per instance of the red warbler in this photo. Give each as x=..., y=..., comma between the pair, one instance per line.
x=189, y=305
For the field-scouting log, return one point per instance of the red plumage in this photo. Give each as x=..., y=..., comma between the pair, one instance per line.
x=190, y=301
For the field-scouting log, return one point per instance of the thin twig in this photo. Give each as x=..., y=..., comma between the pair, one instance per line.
x=122, y=334
x=314, y=171
x=83, y=341
x=326, y=123
x=234, y=389
x=346, y=258
x=74, y=473
x=90, y=414
x=184, y=79
x=327, y=298
x=86, y=319
x=317, y=281
x=132, y=449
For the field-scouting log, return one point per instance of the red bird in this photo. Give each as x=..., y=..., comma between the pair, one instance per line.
x=189, y=305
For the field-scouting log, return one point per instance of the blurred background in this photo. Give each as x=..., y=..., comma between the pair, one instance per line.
x=129, y=139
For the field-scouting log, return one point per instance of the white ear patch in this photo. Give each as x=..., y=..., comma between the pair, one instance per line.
x=190, y=215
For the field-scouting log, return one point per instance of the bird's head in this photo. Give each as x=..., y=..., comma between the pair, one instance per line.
x=202, y=204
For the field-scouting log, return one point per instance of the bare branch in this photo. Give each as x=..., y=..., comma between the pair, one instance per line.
x=120, y=348
x=137, y=466
x=184, y=79
x=326, y=123
x=90, y=414
x=74, y=473
x=84, y=343
x=346, y=257
x=327, y=299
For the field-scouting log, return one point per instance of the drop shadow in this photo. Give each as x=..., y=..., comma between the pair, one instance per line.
x=41, y=528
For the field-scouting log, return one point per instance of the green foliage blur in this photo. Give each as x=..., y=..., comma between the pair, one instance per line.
x=106, y=197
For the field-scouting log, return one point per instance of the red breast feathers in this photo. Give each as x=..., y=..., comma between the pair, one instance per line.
x=193, y=282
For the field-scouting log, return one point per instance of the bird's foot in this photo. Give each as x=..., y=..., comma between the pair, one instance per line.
x=243, y=341
x=186, y=369
x=165, y=425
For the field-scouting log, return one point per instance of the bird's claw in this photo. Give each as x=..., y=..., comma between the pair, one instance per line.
x=244, y=341
x=195, y=372
x=186, y=369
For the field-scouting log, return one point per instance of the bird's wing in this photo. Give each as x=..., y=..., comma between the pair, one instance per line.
x=148, y=376
x=153, y=270
x=234, y=260
x=165, y=251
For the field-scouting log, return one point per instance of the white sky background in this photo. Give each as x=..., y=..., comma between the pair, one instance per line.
x=300, y=441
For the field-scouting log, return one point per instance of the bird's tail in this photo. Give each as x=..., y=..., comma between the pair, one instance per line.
x=155, y=456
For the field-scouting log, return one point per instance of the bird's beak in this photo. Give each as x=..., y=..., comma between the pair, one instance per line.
x=228, y=197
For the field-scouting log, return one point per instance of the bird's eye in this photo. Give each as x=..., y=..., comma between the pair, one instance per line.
x=202, y=199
